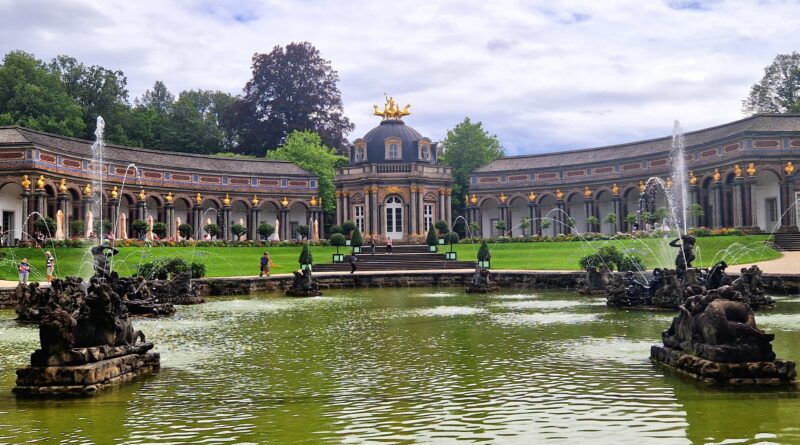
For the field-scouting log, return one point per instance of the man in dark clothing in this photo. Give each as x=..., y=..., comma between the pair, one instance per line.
x=353, y=261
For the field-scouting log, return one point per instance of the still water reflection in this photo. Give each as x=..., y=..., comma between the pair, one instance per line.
x=407, y=366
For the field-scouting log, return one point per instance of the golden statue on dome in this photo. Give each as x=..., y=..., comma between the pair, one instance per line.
x=391, y=111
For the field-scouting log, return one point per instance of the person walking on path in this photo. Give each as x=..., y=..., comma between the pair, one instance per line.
x=50, y=264
x=24, y=269
x=353, y=261
x=388, y=245
x=266, y=265
x=372, y=244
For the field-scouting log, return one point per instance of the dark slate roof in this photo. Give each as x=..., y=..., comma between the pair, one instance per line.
x=162, y=159
x=761, y=123
x=392, y=128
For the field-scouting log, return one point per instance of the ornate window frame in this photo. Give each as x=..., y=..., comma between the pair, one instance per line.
x=424, y=152
x=393, y=149
x=359, y=151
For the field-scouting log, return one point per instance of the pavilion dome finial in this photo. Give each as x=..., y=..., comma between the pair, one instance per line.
x=391, y=110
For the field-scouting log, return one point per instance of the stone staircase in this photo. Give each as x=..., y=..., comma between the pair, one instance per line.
x=403, y=257
x=787, y=241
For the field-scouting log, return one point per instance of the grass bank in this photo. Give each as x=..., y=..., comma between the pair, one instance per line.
x=244, y=261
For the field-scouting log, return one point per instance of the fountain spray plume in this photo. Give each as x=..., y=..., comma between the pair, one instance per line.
x=680, y=178
x=97, y=173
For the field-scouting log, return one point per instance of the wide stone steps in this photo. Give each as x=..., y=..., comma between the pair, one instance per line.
x=377, y=266
x=788, y=241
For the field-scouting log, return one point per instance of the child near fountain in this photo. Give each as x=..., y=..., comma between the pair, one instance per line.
x=24, y=269
x=50, y=264
x=266, y=265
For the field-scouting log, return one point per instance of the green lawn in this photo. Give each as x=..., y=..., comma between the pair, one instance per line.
x=242, y=261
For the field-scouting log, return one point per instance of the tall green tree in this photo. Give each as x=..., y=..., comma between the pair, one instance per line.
x=32, y=96
x=467, y=147
x=292, y=88
x=99, y=92
x=193, y=122
x=779, y=90
x=307, y=150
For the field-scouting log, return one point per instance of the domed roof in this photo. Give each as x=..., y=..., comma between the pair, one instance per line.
x=392, y=128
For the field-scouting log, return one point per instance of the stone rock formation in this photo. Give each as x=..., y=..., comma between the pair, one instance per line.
x=481, y=282
x=303, y=285
x=714, y=338
x=178, y=290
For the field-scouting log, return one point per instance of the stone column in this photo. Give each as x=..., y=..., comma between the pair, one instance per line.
x=197, y=224
x=226, y=222
x=113, y=207
x=339, y=208
x=62, y=205
x=368, y=212
x=738, y=202
x=448, y=206
x=421, y=211
x=694, y=198
x=716, y=217
x=559, y=220
x=616, y=208
x=750, y=195
x=141, y=209
x=253, y=222
x=346, y=206
x=284, y=219
x=532, y=210
x=414, y=210
x=41, y=203
x=787, y=196
x=169, y=219
x=379, y=221
x=26, y=222
x=588, y=210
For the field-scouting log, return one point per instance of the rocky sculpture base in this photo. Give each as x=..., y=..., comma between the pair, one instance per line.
x=81, y=372
x=481, y=288
x=774, y=372
x=481, y=282
x=303, y=293
x=178, y=290
x=303, y=285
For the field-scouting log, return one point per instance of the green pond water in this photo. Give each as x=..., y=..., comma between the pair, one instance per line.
x=407, y=366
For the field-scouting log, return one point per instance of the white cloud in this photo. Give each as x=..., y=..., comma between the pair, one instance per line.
x=541, y=75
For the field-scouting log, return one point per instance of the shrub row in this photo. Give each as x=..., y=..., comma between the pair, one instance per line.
x=161, y=269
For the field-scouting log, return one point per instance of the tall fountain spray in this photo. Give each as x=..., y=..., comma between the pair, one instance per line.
x=97, y=173
x=680, y=179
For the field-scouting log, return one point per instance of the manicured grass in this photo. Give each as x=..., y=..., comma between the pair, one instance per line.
x=244, y=261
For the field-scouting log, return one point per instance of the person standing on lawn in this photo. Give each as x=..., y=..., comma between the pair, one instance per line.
x=266, y=265
x=24, y=269
x=50, y=264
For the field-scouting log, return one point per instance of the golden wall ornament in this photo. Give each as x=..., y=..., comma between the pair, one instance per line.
x=473, y=200
x=393, y=189
x=717, y=175
x=142, y=195
x=285, y=201
x=227, y=200
x=692, y=178
x=615, y=189
x=255, y=200
x=320, y=201
x=62, y=186
x=642, y=187
x=87, y=190
x=532, y=196
x=391, y=110
x=40, y=182
x=587, y=192
x=313, y=201
x=559, y=195
x=669, y=182
x=751, y=169
x=169, y=198
x=26, y=182
x=737, y=170
x=198, y=198
x=115, y=193
x=503, y=198
x=466, y=199
x=789, y=169
x=413, y=188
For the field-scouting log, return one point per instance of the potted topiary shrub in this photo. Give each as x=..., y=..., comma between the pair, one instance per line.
x=211, y=229
x=337, y=240
x=185, y=230
x=77, y=228
x=356, y=240
x=139, y=227
x=303, y=231
x=238, y=230
x=451, y=238
x=347, y=230
x=484, y=257
x=160, y=229
x=443, y=228
x=265, y=230
x=432, y=240
x=306, y=259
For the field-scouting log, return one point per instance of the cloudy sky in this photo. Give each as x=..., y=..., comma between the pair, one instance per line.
x=542, y=75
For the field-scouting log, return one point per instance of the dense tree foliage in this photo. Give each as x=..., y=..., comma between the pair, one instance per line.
x=779, y=90
x=305, y=149
x=33, y=96
x=467, y=147
x=292, y=88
